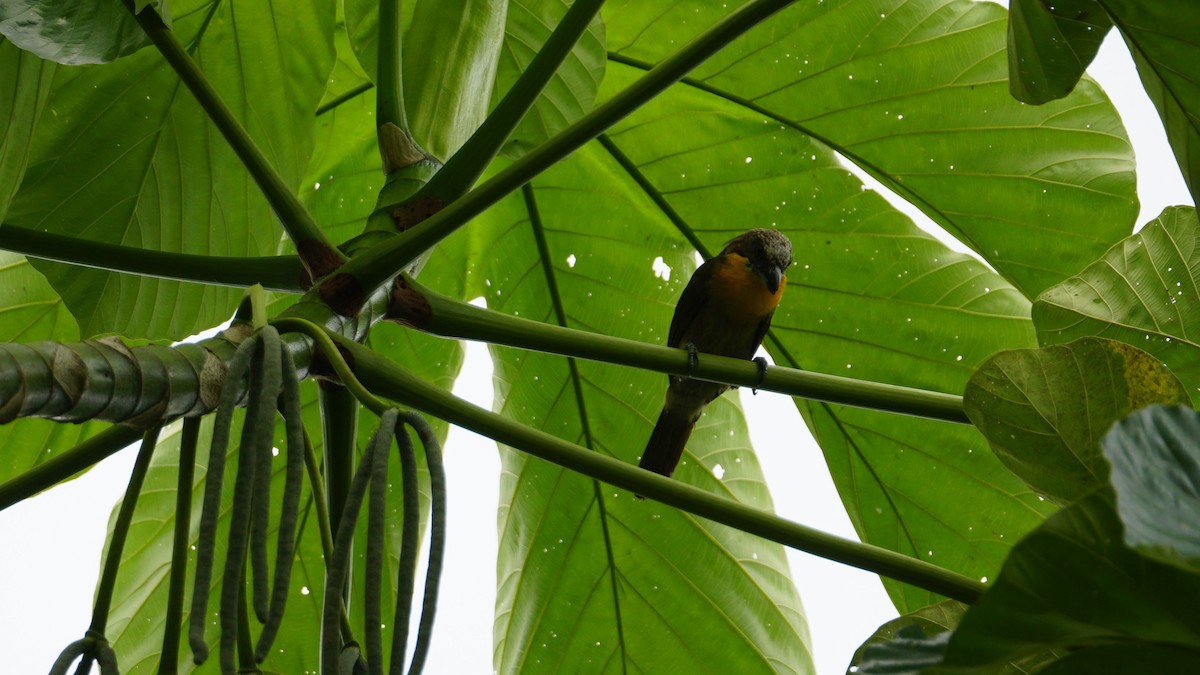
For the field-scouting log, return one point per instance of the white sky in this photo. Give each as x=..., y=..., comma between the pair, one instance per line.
x=52, y=543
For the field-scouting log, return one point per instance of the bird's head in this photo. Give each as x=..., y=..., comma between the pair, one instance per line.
x=768, y=253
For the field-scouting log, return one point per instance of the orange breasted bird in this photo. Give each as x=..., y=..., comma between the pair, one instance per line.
x=725, y=309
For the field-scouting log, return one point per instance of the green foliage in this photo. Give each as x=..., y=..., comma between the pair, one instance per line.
x=1156, y=471
x=1049, y=46
x=1043, y=411
x=913, y=93
x=1141, y=292
x=74, y=32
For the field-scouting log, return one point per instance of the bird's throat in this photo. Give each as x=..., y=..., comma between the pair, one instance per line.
x=742, y=293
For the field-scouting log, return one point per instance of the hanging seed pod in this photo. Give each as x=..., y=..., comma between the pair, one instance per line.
x=254, y=460
x=168, y=662
x=410, y=542
x=263, y=404
x=210, y=509
x=290, y=513
x=339, y=563
x=437, y=539
x=376, y=518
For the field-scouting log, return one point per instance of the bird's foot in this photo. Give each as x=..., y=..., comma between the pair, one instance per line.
x=762, y=373
x=693, y=357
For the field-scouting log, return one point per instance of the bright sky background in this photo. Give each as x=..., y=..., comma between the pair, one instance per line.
x=52, y=543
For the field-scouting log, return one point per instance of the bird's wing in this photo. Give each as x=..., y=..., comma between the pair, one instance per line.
x=761, y=331
x=691, y=303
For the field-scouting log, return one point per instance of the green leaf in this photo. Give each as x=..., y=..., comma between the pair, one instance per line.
x=30, y=311
x=1156, y=474
x=343, y=178
x=1050, y=45
x=74, y=32
x=1163, y=44
x=1044, y=411
x=916, y=643
x=125, y=155
x=1072, y=583
x=591, y=579
x=24, y=84
x=909, y=643
x=1124, y=659
x=572, y=90
x=915, y=93
x=1143, y=292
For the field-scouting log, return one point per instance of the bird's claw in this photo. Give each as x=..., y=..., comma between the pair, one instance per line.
x=693, y=357
x=762, y=373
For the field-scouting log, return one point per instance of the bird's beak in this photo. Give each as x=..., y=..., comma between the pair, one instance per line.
x=772, y=277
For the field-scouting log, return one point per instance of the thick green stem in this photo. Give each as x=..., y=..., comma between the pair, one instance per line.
x=116, y=542
x=389, y=380
x=278, y=273
x=450, y=318
x=374, y=268
x=339, y=424
x=469, y=163
x=390, y=81
x=320, y=256
x=66, y=464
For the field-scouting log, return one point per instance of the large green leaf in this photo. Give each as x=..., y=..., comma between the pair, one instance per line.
x=1155, y=456
x=870, y=295
x=1044, y=410
x=1072, y=583
x=1161, y=38
x=30, y=311
x=24, y=85
x=591, y=579
x=126, y=155
x=1143, y=291
x=915, y=92
x=1050, y=44
x=571, y=91
x=74, y=32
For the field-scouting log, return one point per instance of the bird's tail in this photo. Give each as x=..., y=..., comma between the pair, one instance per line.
x=670, y=435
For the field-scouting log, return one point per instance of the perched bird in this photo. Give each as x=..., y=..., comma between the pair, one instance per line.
x=725, y=309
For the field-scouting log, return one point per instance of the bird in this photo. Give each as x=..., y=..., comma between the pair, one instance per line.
x=725, y=309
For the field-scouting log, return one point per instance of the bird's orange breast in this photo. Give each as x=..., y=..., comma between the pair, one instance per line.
x=740, y=292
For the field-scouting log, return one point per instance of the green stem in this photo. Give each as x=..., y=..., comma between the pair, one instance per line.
x=168, y=663
x=313, y=469
x=66, y=464
x=469, y=163
x=278, y=273
x=375, y=267
x=339, y=424
x=391, y=381
x=116, y=543
x=325, y=344
x=451, y=318
x=320, y=256
x=390, y=80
